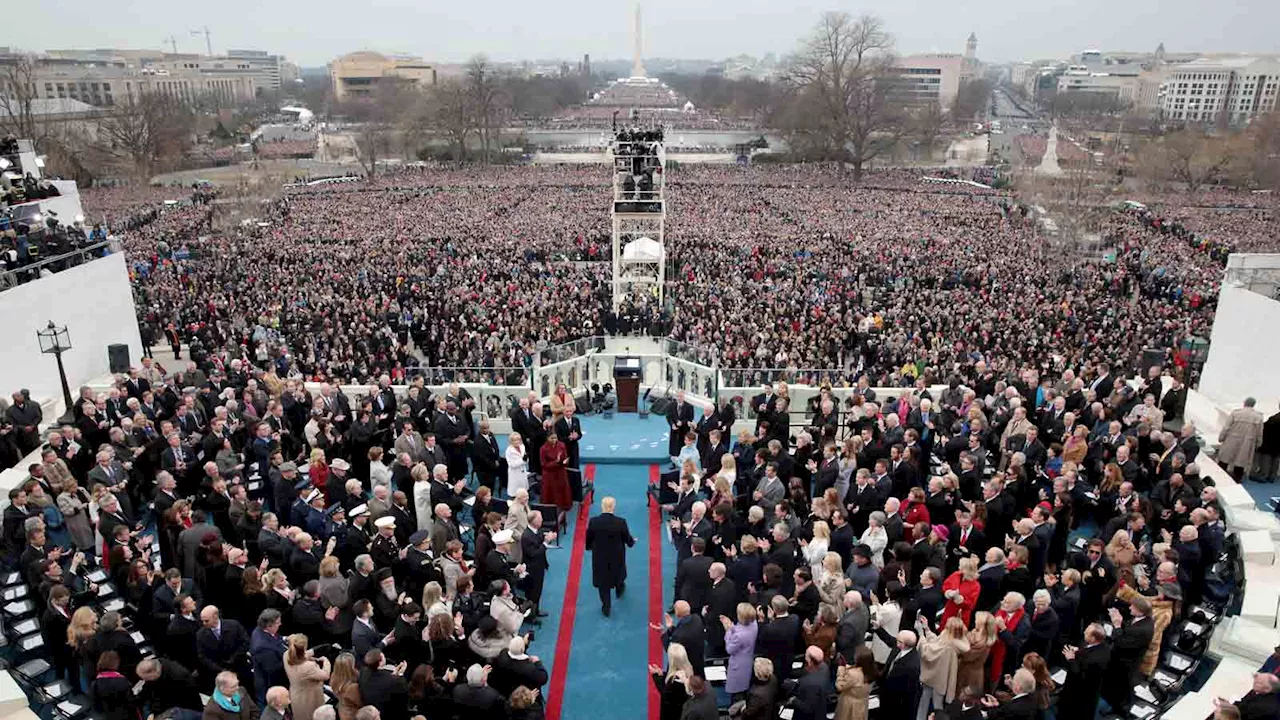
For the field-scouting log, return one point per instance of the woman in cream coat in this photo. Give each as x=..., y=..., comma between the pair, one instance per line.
x=421, y=475
x=516, y=521
x=517, y=465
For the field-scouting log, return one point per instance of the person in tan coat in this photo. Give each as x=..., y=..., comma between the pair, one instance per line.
x=1240, y=438
x=307, y=676
x=939, y=663
x=972, y=661
x=853, y=683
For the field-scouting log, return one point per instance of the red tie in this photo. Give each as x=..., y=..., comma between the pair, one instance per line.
x=964, y=536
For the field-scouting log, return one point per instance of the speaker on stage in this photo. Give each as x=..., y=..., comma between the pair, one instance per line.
x=118, y=357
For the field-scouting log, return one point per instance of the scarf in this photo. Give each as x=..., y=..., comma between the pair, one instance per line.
x=226, y=703
x=1011, y=621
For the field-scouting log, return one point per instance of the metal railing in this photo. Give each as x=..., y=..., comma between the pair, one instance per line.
x=494, y=376
x=57, y=263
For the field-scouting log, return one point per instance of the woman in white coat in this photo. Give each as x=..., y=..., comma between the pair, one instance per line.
x=422, y=494
x=517, y=465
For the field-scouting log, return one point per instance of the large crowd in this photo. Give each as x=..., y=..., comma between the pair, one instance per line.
x=786, y=268
x=377, y=556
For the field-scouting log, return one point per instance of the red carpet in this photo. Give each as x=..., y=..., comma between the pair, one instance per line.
x=569, y=609
x=655, y=592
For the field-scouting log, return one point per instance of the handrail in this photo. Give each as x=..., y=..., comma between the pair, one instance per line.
x=13, y=278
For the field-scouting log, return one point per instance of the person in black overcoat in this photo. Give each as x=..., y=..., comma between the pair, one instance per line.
x=569, y=429
x=1086, y=670
x=900, y=687
x=679, y=422
x=608, y=539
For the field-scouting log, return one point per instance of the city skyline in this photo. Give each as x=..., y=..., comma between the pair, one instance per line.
x=309, y=36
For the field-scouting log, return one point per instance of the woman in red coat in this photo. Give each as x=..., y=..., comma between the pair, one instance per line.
x=961, y=590
x=914, y=512
x=555, y=478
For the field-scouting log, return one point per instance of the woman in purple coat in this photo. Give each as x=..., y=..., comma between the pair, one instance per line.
x=740, y=642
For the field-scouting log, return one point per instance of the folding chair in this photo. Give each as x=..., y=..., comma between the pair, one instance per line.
x=554, y=519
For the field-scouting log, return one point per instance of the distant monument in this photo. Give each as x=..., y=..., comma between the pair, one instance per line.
x=637, y=65
x=639, y=90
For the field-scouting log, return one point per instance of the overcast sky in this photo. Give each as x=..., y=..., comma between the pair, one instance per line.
x=312, y=33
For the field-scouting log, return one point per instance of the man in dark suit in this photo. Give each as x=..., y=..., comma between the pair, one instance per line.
x=779, y=638
x=842, y=537
x=1129, y=644
x=1086, y=670
x=384, y=687
x=964, y=540
x=828, y=472
x=607, y=540
x=900, y=685
x=722, y=601
x=1022, y=706
x=679, y=422
x=1104, y=383
x=486, y=460
x=692, y=579
x=533, y=552
x=813, y=688
x=453, y=435
x=220, y=644
x=687, y=629
x=569, y=429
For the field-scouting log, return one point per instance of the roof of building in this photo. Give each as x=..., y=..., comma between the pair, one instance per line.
x=1226, y=63
x=58, y=106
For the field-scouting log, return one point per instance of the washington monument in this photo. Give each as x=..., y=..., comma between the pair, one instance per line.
x=637, y=65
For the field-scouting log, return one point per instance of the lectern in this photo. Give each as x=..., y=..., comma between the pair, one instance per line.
x=627, y=372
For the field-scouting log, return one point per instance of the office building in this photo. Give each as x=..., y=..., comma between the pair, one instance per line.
x=358, y=74
x=935, y=77
x=1233, y=90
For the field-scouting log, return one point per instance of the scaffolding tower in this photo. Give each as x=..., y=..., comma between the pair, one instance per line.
x=639, y=216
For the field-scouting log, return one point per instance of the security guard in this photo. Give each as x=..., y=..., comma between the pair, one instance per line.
x=420, y=564
x=354, y=536
x=385, y=551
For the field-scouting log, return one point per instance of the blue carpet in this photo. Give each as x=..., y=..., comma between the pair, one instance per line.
x=607, y=677
x=624, y=438
x=1264, y=494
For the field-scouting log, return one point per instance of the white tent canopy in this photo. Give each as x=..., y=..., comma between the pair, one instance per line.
x=644, y=249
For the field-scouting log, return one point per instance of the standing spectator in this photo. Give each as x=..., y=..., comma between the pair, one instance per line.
x=740, y=644
x=1269, y=451
x=1239, y=439
x=112, y=692
x=307, y=677
x=939, y=664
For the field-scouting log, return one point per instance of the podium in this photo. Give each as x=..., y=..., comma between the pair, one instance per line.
x=627, y=372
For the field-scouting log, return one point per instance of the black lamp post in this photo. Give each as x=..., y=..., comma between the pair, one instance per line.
x=54, y=341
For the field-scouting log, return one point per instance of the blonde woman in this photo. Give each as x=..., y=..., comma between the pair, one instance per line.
x=517, y=521
x=379, y=473
x=721, y=491
x=939, y=663
x=82, y=629
x=848, y=463
x=434, y=602
x=831, y=582
x=815, y=550
x=1121, y=551
x=421, y=475
x=345, y=681
x=333, y=586
x=674, y=686
x=307, y=676
x=971, y=662
x=517, y=465
x=728, y=470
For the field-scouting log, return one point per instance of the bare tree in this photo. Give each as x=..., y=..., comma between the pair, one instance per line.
x=1196, y=158
x=844, y=67
x=145, y=132
x=18, y=116
x=926, y=122
x=487, y=100
x=452, y=114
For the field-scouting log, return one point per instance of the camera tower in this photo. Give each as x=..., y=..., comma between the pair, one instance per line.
x=639, y=215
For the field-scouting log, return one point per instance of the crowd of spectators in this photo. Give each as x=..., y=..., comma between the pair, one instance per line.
x=784, y=267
